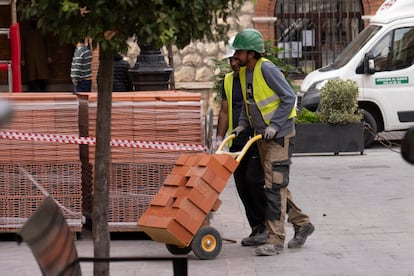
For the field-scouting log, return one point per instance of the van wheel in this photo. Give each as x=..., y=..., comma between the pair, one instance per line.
x=370, y=129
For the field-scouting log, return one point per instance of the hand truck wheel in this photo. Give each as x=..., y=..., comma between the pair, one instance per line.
x=207, y=243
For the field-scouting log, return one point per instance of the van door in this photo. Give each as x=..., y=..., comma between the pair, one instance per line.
x=391, y=86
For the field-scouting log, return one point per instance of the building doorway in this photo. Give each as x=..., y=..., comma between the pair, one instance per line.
x=313, y=33
x=51, y=59
x=61, y=55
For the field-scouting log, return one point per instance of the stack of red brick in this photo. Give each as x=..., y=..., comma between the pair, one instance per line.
x=138, y=173
x=29, y=168
x=190, y=192
x=66, y=170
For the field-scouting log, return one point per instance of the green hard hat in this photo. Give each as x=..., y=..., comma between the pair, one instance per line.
x=249, y=39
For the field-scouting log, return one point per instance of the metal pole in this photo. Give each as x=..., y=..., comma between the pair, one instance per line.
x=13, y=11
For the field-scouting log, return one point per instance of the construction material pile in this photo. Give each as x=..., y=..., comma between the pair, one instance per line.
x=31, y=169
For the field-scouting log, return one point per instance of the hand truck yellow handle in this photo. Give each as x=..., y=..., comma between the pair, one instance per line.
x=239, y=154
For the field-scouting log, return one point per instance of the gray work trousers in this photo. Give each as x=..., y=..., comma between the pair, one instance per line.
x=276, y=159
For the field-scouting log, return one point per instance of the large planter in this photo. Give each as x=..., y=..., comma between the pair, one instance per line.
x=329, y=138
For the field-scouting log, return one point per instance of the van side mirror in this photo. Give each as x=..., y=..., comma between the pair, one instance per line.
x=407, y=146
x=369, y=63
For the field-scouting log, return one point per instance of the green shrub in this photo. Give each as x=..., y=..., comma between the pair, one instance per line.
x=221, y=68
x=339, y=102
x=305, y=116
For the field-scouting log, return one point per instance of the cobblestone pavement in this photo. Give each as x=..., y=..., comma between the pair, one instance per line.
x=361, y=205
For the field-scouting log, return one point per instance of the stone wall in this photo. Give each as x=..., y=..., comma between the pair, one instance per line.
x=195, y=62
x=194, y=65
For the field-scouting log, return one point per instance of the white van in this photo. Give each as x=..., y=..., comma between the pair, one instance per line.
x=381, y=60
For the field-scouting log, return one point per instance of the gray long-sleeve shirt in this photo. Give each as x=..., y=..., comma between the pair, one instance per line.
x=81, y=64
x=280, y=120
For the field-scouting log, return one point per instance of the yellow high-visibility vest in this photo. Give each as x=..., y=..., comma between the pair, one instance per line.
x=266, y=99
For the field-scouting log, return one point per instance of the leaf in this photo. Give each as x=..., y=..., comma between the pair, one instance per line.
x=339, y=102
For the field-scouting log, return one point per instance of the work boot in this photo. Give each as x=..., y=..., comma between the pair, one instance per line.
x=257, y=237
x=269, y=249
x=301, y=233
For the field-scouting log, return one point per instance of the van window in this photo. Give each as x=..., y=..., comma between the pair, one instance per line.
x=394, y=51
x=382, y=53
x=353, y=48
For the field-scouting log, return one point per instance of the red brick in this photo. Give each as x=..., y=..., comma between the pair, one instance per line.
x=175, y=180
x=182, y=192
x=216, y=205
x=197, y=198
x=169, y=190
x=154, y=220
x=173, y=233
x=189, y=215
x=143, y=219
x=172, y=225
x=188, y=222
x=160, y=211
x=223, y=175
x=213, y=164
x=180, y=170
x=193, y=159
x=161, y=199
x=192, y=181
x=219, y=184
x=182, y=159
x=227, y=161
x=203, y=195
x=204, y=172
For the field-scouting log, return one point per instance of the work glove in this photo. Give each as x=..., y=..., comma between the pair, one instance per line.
x=270, y=133
x=216, y=143
x=238, y=130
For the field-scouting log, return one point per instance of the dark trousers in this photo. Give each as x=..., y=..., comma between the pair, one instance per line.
x=82, y=86
x=37, y=85
x=249, y=179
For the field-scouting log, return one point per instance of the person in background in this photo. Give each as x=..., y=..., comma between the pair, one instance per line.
x=122, y=81
x=270, y=108
x=248, y=176
x=35, y=56
x=81, y=68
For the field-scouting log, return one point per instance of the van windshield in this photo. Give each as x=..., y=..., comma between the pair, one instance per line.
x=353, y=48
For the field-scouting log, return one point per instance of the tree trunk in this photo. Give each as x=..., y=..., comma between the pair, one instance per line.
x=101, y=238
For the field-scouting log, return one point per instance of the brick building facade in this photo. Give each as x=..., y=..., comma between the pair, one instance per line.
x=266, y=8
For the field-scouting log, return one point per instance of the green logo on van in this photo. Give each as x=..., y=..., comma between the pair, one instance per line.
x=393, y=80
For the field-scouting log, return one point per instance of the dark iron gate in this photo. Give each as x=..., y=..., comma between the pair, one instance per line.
x=313, y=32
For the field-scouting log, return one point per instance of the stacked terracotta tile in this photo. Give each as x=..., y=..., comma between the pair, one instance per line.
x=188, y=195
x=138, y=173
x=30, y=169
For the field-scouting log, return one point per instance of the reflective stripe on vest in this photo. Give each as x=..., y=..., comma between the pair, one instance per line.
x=266, y=99
x=228, y=89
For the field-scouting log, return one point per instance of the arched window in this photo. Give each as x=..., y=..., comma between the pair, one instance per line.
x=313, y=32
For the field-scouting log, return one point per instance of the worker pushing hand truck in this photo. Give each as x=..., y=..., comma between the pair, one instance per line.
x=179, y=214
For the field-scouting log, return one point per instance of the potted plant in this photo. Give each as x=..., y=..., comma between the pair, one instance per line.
x=337, y=125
